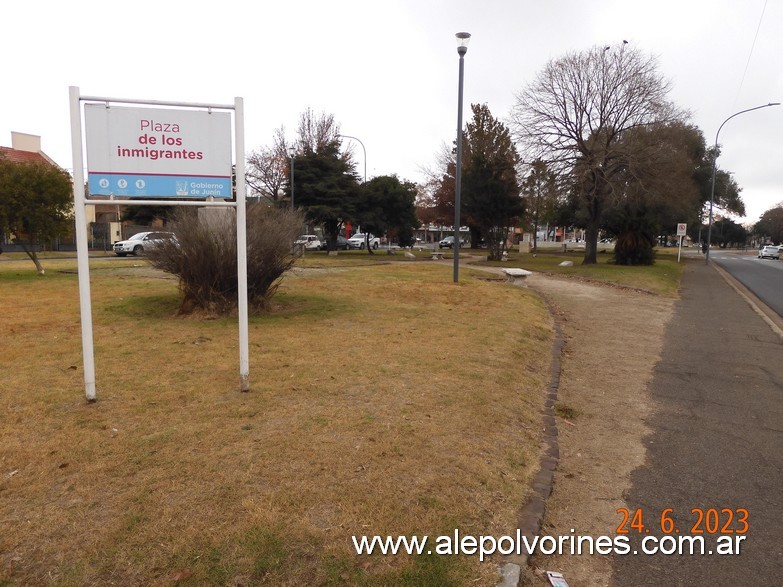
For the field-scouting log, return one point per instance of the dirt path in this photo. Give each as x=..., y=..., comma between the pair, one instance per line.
x=613, y=338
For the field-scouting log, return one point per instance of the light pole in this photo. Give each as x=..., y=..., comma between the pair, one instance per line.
x=714, y=165
x=365, y=156
x=462, y=48
x=363, y=149
x=291, y=153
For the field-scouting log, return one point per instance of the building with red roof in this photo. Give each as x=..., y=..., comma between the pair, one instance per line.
x=25, y=148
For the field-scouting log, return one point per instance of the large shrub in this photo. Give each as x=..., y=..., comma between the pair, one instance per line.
x=204, y=256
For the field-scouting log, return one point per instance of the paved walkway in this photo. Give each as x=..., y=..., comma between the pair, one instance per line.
x=717, y=440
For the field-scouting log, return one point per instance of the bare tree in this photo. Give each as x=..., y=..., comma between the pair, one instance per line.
x=435, y=204
x=574, y=115
x=268, y=168
x=316, y=132
x=540, y=190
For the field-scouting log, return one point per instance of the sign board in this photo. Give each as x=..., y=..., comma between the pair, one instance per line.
x=156, y=152
x=682, y=229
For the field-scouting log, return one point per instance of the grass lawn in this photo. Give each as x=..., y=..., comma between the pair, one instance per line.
x=385, y=400
x=662, y=278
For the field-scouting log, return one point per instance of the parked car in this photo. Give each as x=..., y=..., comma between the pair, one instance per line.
x=770, y=251
x=137, y=244
x=342, y=244
x=357, y=241
x=310, y=242
x=448, y=243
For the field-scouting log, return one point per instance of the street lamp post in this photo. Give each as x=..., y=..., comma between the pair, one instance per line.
x=462, y=48
x=363, y=149
x=291, y=153
x=714, y=166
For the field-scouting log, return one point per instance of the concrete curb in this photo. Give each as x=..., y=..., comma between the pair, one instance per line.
x=532, y=514
x=765, y=312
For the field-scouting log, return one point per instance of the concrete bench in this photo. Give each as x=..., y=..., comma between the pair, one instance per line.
x=517, y=276
x=437, y=256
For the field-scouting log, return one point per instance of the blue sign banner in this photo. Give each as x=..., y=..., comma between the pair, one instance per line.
x=166, y=186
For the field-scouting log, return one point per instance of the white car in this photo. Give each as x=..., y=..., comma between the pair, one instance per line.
x=310, y=242
x=357, y=241
x=770, y=251
x=136, y=244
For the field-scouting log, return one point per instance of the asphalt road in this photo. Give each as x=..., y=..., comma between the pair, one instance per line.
x=716, y=450
x=764, y=277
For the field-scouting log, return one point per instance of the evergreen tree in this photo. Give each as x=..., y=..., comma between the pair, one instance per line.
x=490, y=190
x=35, y=204
x=770, y=225
x=656, y=187
x=387, y=205
x=326, y=187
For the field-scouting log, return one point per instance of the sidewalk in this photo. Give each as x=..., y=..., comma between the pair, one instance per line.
x=717, y=439
x=613, y=337
x=677, y=405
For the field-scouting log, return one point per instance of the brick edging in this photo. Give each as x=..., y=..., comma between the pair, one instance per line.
x=531, y=516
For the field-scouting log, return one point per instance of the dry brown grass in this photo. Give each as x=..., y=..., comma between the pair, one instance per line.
x=385, y=400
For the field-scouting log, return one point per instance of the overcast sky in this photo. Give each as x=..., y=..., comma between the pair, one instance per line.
x=387, y=70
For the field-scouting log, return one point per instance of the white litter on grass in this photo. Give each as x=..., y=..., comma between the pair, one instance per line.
x=556, y=579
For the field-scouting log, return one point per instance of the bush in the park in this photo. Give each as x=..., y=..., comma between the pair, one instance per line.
x=204, y=256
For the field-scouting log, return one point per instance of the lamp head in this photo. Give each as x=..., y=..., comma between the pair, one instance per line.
x=462, y=42
x=291, y=152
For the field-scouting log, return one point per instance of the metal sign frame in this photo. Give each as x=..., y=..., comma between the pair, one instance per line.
x=81, y=201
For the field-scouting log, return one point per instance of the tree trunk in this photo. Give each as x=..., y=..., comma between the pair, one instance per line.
x=475, y=237
x=34, y=259
x=595, y=208
x=591, y=243
x=535, y=234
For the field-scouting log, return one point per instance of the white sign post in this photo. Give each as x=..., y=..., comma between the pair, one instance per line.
x=181, y=154
x=682, y=230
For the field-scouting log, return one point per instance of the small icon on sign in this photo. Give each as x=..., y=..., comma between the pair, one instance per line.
x=182, y=187
x=140, y=183
x=104, y=183
x=122, y=184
